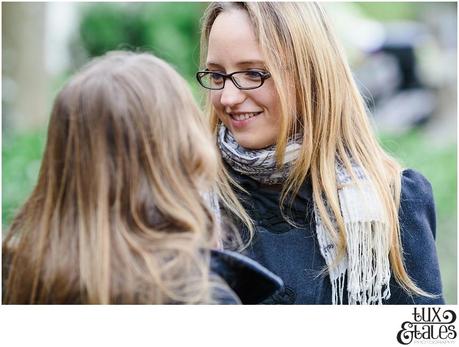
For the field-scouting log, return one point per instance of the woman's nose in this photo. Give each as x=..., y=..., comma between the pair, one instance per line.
x=231, y=95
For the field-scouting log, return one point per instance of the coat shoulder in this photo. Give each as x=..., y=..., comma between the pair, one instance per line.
x=418, y=232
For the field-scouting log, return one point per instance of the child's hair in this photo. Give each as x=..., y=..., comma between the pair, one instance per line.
x=118, y=213
x=318, y=98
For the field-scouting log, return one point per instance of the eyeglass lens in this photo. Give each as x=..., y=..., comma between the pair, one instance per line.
x=243, y=79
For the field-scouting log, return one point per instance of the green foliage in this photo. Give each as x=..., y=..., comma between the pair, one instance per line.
x=21, y=157
x=437, y=162
x=390, y=11
x=169, y=30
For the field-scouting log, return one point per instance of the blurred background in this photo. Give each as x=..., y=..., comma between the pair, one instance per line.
x=403, y=55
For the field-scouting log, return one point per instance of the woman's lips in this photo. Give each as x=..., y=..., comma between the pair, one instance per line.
x=241, y=120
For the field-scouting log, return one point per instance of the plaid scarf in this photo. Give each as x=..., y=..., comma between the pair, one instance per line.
x=366, y=262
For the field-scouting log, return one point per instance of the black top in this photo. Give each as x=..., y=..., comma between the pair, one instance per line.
x=293, y=252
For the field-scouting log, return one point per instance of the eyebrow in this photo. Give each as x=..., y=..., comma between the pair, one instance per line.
x=241, y=63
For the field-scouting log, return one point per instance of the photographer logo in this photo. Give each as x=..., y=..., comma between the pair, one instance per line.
x=429, y=325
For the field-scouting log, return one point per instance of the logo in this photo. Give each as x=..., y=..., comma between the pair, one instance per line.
x=429, y=325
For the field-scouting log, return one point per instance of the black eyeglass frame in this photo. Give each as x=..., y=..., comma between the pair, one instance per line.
x=263, y=74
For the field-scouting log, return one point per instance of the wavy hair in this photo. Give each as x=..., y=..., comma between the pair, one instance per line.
x=319, y=98
x=118, y=214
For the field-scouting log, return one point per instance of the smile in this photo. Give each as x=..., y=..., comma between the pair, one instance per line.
x=244, y=116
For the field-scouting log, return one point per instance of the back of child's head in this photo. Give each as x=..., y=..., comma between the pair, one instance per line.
x=117, y=215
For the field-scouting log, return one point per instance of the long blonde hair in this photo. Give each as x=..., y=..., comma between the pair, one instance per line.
x=117, y=215
x=319, y=98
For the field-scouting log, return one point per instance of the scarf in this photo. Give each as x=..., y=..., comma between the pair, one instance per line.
x=366, y=262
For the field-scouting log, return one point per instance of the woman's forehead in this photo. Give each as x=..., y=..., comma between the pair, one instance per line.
x=232, y=38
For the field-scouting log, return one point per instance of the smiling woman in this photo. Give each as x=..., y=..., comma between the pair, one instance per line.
x=252, y=115
x=305, y=162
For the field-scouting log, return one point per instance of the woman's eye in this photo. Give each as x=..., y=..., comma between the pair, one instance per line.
x=253, y=75
x=215, y=77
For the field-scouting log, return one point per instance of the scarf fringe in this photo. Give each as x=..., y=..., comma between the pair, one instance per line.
x=368, y=268
x=366, y=263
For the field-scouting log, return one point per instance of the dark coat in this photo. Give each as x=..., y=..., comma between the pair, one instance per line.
x=250, y=281
x=293, y=252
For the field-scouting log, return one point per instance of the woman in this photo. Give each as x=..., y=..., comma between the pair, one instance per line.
x=335, y=216
x=119, y=213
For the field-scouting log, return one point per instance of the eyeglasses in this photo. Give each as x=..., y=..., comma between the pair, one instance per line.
x=245, y=80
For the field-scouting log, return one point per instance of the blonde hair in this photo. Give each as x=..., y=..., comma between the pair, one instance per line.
x=117, y=215
x=319, y=99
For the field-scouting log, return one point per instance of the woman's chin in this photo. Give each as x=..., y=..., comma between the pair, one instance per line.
x=251, y=142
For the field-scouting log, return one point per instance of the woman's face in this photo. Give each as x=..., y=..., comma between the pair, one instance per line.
x=252, y=116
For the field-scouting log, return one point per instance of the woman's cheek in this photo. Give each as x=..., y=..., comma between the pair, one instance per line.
x=215, y=99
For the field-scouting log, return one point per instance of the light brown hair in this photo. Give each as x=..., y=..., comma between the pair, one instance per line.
x=118, y=213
